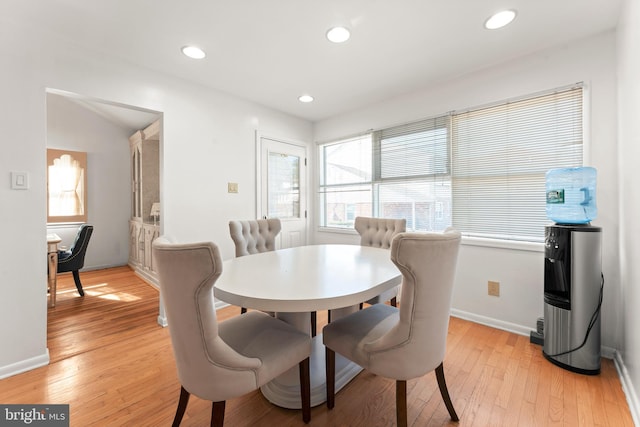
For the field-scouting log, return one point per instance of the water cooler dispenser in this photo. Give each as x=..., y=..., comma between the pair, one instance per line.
x=572, y=297
x=573, y=281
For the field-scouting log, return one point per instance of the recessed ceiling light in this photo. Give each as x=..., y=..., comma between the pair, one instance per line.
x=500, y=19
x=338, y=34
x=305, y=98
x=193, y=52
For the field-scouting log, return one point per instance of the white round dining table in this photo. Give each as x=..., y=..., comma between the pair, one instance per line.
x=293, y=282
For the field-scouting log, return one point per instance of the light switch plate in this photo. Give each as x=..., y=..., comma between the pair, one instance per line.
x=19, y=180
x=232, y=187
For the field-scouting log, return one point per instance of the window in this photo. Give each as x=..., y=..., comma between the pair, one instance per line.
x=345, y=181
x=481, y=170
x=66, y=186
x=400, y=172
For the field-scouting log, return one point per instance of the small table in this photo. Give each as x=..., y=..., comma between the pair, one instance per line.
x=296, y=281
x=52, y=259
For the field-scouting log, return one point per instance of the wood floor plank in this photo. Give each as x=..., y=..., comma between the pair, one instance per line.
x=114, y=365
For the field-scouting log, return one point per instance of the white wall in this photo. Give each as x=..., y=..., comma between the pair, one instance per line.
x=629, y=175
x=208, y=138
x=72, y=127
x=519, y=271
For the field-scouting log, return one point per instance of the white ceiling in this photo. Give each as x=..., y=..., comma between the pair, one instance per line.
x=273, y=51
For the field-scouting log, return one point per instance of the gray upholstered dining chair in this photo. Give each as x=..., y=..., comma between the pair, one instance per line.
x=378, y=232
x=406, y=342
x=220, y=361
x=255, y=236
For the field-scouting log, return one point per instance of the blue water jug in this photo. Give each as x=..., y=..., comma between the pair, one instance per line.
x=571, y=195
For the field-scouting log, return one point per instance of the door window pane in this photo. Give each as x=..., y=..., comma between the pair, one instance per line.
x=284, y=186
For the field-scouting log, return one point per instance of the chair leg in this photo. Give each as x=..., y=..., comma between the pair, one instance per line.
x=445, y=393
x=243, y=310
x=401, y=403
x=305, y=390
x=182, y=406
x=217, y=414
x=314, y=323
x=394, y=302
x=328, y=316
x=76, y=278
x=330, y=366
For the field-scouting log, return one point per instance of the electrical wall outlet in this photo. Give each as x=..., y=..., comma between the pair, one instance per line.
x=493, y=288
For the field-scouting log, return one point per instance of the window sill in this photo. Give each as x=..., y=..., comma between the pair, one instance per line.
x=466, y=241
x=337, y=230
x=503, y=244
x=64, y=224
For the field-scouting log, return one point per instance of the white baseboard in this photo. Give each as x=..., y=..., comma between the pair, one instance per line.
x=220, y=304
x=494, y=323
x=627, y=387
x=162, y=321
x=24, y=365
x=606, y=352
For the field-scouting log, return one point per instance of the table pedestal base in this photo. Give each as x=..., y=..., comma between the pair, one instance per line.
x=284, y=391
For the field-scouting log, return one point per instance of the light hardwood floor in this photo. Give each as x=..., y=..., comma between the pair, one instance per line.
x=114, y=365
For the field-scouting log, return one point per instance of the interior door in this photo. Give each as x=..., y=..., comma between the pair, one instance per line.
x=283, y=188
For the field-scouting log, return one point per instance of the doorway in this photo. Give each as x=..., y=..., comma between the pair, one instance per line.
x=100, y=129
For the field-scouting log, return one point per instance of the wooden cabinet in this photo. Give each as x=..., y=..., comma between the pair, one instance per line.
x=144, y=225
x=141, y=237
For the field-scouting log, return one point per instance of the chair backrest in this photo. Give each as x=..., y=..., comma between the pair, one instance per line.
x=187, y=273
x=79, y=248
x=378, y=232
x=254, y=236
x=427, y=262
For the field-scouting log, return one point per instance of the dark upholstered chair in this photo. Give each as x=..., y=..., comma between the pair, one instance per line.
x=73, y=259
x=218, y=361
x=406, y=342
x=378, y=233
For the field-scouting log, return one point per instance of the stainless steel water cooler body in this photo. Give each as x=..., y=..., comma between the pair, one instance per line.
x=573, y=296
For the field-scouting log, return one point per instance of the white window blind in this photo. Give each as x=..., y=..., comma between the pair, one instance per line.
x=412, y=174
x=414, y=150
x=500, y=157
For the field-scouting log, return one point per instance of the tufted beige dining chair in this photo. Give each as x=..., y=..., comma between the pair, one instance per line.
x=406, y=342
x=378, y=232
x=255, y=236
x=220, y=361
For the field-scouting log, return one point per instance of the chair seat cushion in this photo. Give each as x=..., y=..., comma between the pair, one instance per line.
x=62, y=255
x=278, y=345
x=350, y=335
